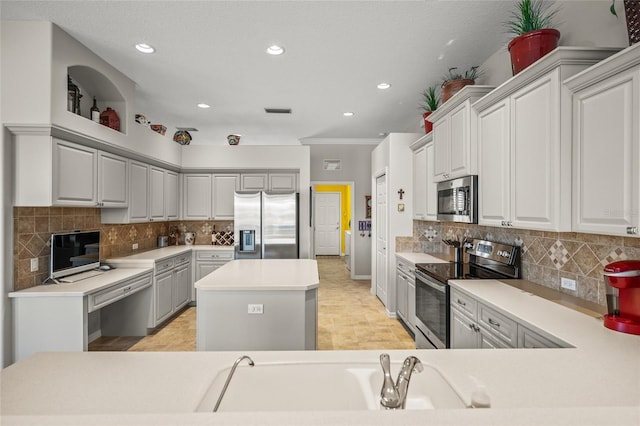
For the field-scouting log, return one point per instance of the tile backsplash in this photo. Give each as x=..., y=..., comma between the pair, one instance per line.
x=33, y=227
x=547, y=256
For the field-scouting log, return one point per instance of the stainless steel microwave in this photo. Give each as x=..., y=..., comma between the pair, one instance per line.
x=458, y=200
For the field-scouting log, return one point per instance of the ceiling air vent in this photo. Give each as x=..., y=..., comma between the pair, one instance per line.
x=331, y=165
x=277, y=110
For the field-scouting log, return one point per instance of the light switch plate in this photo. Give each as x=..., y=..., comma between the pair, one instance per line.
x=255, y=308
x=34, y=264
x=135, y=246
x=568, y=283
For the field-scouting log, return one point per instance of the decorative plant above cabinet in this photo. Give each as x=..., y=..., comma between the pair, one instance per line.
x=531, y=23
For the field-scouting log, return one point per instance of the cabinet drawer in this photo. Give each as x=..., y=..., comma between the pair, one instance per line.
x=117, y=292
x=214, y=255
x=501, y=326
x=164, y=265
x=181, y=259
x=464, y=303
x=407, y=268
x=530, y=339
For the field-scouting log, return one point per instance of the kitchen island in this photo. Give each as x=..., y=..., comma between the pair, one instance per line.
x=258, y=304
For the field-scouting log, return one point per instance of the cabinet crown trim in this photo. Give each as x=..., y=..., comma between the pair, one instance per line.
x=421, y=142
x=562, y=55
x=471, y=92
x=615, y=64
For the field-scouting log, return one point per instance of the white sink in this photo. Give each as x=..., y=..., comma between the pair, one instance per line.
x=323, y=387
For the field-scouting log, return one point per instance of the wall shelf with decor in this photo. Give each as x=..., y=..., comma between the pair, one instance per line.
x=40, y=106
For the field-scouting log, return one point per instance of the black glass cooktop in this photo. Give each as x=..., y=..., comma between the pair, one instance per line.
x=443, y=272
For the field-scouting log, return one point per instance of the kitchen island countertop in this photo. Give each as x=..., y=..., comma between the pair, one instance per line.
x=262, y=274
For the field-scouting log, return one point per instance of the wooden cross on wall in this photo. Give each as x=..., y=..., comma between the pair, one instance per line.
x=401, y=193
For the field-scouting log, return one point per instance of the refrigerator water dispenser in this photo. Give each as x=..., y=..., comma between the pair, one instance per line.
x=247, y=240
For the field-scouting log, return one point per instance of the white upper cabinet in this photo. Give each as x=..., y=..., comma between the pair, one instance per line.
x=224, y=188
x=453, y=138
x=283, y=182
x=156, y=194
x=171, y=194
x=75, y=180
x=493, y=182
x=424, y=186
x=254, y=182
x=420, y=183
x=68, y=174
x=197, y=197
x=525, y=146
x=113, y=188
x=606, y=146
x=139, y=192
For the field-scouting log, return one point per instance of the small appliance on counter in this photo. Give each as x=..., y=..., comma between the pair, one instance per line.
x=623, y=296
x=163, y=241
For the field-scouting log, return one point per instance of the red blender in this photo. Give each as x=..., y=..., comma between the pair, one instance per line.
x=623, y=296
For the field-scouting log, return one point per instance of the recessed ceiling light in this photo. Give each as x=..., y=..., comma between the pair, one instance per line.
x=383, y=86
x=204, y=106
x=145, y=48
x=348, y=114
x=275, y=50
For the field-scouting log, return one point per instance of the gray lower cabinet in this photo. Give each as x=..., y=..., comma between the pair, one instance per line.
x=406, y=292
x=476, y=325
x=207, y=261
x=163, y=301
x=172, y=284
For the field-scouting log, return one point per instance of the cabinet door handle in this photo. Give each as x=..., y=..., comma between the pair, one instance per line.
x=460, y=302
x=494, y=323
x=632, y=230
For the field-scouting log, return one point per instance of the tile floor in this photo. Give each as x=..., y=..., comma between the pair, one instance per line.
x=349, y=317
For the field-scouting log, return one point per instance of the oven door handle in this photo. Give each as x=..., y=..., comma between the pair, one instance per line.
x=428, y=281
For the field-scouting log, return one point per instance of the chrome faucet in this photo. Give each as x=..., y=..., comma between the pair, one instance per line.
x=226, y=384
x=394, y=395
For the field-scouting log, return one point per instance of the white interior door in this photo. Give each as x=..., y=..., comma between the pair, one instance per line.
x=381, y=238
x=327, y=229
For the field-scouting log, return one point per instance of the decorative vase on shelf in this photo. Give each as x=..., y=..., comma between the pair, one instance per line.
x=182, y=137
x=109, y=117
x=529, y=47
x=233, y=139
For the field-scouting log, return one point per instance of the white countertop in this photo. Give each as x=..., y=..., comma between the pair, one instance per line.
x=262, y=274
x=82, y=287
x=151, y=256
x=419, y=258
x=595, y=383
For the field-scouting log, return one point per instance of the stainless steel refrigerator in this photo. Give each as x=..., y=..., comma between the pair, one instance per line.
x=265, y=225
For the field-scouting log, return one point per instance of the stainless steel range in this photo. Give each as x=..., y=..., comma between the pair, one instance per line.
x=487, y=260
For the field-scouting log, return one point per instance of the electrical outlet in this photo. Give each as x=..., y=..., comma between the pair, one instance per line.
x=568, y=283
x=34, y=264
x=135, y=246
x=255, y=308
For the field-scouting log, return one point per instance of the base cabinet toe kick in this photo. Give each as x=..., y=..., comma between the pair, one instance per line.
x=65, y=317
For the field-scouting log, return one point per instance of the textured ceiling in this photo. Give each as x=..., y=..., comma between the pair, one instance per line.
x=336, y=54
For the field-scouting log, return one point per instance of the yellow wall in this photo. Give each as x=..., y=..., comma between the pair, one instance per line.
x=345, y=214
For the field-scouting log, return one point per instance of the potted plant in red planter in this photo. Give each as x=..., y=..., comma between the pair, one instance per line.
x=430, y=103
x=531, y=24
x=452, y=83
x=632, y=12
